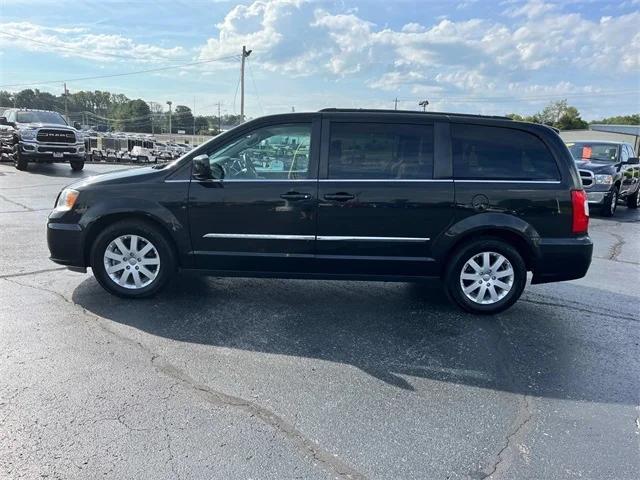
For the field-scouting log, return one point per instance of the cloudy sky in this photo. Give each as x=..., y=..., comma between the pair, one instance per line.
x=470, y=56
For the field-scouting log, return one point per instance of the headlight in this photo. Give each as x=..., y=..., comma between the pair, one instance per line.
x=604, y=179
x=67, y=199
x=28, y=134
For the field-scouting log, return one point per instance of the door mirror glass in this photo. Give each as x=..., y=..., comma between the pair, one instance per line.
x=3, y=121
x=201, y=168
x=77, y=125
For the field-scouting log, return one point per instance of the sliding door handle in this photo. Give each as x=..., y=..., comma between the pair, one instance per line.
x=339, y=197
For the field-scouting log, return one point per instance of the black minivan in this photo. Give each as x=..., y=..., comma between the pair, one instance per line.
x=341, y=194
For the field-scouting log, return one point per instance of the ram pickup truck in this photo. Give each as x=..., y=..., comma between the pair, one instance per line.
x=40, y=136
x=610, y=172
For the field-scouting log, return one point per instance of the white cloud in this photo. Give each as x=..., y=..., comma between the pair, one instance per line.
x=78, y=42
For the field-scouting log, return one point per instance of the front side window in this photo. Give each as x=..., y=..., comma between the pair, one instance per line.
x=279, y=152
x=486, y=153
x=380, y=151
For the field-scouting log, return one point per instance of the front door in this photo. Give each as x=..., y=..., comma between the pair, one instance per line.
x=262, y=214
x=380, y=207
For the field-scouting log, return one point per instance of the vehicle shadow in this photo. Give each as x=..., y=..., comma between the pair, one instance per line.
x=391, y=331
x=63, y=170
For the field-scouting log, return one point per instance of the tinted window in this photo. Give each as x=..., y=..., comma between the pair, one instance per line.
x=40, y=117
x=276, y=152
x=380, y=151
x=497, y=153
x=598, y=152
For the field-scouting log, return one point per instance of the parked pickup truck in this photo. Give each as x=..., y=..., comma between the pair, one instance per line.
x=40, y=136
x=610, y=171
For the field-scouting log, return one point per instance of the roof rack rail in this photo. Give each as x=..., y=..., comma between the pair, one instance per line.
x=416, y=112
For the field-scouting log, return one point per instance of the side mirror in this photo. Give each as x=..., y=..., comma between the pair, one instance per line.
x=633, y=161
x=3, y=121
x=77, y=125
x=202, y=168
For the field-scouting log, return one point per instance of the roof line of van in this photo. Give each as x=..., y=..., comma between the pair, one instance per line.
x=416, y=112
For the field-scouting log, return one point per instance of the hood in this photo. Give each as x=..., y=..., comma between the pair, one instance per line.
x=596, y=167
x=46, y=125
x=130, y=175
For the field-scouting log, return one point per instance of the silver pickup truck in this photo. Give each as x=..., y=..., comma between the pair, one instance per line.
x=40, y=136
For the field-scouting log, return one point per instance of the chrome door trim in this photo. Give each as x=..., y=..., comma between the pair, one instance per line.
x=387, y=180
x=339, y=238
x=331, y=238
x=259, y=236
x=509, y=181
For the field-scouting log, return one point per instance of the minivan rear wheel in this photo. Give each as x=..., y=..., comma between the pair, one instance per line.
x=485, y=276
x=132, y=259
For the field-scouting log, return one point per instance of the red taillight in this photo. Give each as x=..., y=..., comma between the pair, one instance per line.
x=580, y=204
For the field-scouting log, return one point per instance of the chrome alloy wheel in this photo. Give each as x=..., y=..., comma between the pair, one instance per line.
x=486, y=278
x=132, y=261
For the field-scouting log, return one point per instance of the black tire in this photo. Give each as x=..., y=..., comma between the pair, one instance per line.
x=77, y=165
x=466, y=252
x=610, y=203
x=144, y=229
x=19, y=160
x=633, y=201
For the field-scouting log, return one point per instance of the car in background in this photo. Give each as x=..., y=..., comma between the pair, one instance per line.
x=40, y=136
x=610, y=172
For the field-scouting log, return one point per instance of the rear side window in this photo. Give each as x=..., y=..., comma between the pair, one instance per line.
x=380, y=151
x=495, y=153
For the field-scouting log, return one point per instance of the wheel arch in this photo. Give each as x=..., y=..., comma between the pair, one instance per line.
x=514, y=231
x=175, y=233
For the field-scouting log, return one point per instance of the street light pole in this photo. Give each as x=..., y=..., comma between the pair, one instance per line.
x=424, y=104
x=169, y=103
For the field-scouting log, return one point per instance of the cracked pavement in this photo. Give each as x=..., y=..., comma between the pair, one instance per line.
x=253, y=378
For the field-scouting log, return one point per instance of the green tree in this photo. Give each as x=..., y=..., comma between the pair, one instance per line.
x=6, y=99
x=633, y=119
x=182, y=119
x=133, y=116
x=558, y=114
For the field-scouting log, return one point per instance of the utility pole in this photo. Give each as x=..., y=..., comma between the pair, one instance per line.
x=245, y=54
x=219, y=120
x=193, y=140
x=66, y=93
x=170, y=131
x=395, y=104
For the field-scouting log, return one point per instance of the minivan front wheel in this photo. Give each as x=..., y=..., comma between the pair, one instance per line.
x=132, y=259
x=485, y=276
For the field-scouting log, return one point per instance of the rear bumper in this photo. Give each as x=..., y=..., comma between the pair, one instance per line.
x=562, y=259
x=66, y=244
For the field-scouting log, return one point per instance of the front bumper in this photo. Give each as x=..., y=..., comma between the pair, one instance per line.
x=562, y=259
x=66, y=244
x=52, y=151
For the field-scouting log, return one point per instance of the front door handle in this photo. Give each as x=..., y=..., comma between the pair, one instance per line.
x=339, y=197
x=295, y=196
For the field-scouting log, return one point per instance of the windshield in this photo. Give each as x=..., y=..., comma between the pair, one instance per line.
x=40, y=117
x=598, y=152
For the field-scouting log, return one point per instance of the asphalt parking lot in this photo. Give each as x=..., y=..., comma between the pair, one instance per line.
x=246, y=378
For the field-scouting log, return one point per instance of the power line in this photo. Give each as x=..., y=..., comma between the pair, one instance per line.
x=149, y=70
x=255, y=89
